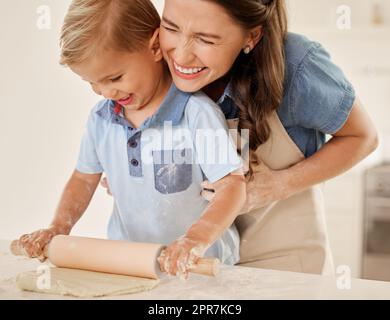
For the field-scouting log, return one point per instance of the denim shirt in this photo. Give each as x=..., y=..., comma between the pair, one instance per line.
x=317, y=96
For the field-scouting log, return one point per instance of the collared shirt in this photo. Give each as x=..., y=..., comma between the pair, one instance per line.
x=317, y=98
x=155, y=171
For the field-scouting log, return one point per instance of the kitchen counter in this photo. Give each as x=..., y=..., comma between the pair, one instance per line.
x=231, y=283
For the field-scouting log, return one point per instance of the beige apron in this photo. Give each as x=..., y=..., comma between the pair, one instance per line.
x=291, y=234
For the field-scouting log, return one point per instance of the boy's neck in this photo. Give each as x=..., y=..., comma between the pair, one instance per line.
x=138, y=117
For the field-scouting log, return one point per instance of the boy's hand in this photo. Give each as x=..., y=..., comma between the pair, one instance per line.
x=33, y=244
x=266, y=187
x=180, y=256
x=104, y=184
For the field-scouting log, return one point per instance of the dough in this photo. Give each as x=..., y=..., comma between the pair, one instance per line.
x=85, y=284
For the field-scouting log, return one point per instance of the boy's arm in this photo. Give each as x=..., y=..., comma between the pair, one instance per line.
x=74, y=201
x=206, y=119
x=230, y=196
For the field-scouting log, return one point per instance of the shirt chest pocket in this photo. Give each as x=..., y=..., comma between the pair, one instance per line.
x=172, y=170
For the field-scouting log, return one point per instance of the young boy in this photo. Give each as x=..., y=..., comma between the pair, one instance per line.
x=154, y=177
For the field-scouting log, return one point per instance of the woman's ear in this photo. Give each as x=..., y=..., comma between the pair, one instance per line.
x=154, y=46
x=255, y=36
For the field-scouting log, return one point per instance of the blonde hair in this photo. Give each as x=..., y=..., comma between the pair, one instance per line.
x=93, y=25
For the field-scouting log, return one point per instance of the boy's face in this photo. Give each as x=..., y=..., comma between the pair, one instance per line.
x=131, y=79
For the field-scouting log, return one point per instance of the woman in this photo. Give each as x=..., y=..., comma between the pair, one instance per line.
x=287, y=92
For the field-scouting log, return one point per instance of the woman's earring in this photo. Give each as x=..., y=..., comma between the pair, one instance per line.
x=247, y=49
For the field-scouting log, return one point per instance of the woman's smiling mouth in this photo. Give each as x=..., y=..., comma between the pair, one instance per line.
x=187, y=72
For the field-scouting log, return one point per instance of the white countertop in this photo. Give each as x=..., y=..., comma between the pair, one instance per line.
x=231, y=283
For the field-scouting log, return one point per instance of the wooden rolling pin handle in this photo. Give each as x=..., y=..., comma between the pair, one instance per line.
x=18, y=250
x=15, y=248
x=206, y=267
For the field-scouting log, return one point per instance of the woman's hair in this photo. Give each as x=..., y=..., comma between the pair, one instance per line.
x=93, y=25
x=258, y=78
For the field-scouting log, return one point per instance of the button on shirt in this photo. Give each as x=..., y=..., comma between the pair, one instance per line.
x=154, y=174
x=317, y=98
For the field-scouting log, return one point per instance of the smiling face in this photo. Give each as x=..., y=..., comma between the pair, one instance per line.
x=133, y=79
x=200, y=42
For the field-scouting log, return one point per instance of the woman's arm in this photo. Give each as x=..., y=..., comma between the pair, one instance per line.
x=74, y=201
x=230, y=194
x=355, y=141
x=351, y=144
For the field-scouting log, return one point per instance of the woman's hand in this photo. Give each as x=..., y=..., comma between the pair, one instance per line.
x=266, y=187
x=33, y=244
x=180, y=256
x=104, y=184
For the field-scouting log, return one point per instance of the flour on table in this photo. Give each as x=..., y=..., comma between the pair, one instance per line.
x=85, y=284
x=7, y=281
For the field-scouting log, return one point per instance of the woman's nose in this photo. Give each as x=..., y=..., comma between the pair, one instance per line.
x=184, y=50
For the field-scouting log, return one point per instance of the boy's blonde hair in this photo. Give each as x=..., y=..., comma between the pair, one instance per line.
x=93, y=25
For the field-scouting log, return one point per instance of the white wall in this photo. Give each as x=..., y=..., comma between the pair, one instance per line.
x=362, y=51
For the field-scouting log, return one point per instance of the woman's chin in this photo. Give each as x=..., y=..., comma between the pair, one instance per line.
x=188, y=86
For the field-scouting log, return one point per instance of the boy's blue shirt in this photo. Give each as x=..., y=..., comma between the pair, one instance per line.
x=157, y=201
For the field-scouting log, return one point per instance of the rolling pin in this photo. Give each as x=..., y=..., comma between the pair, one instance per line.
x=111, y=256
